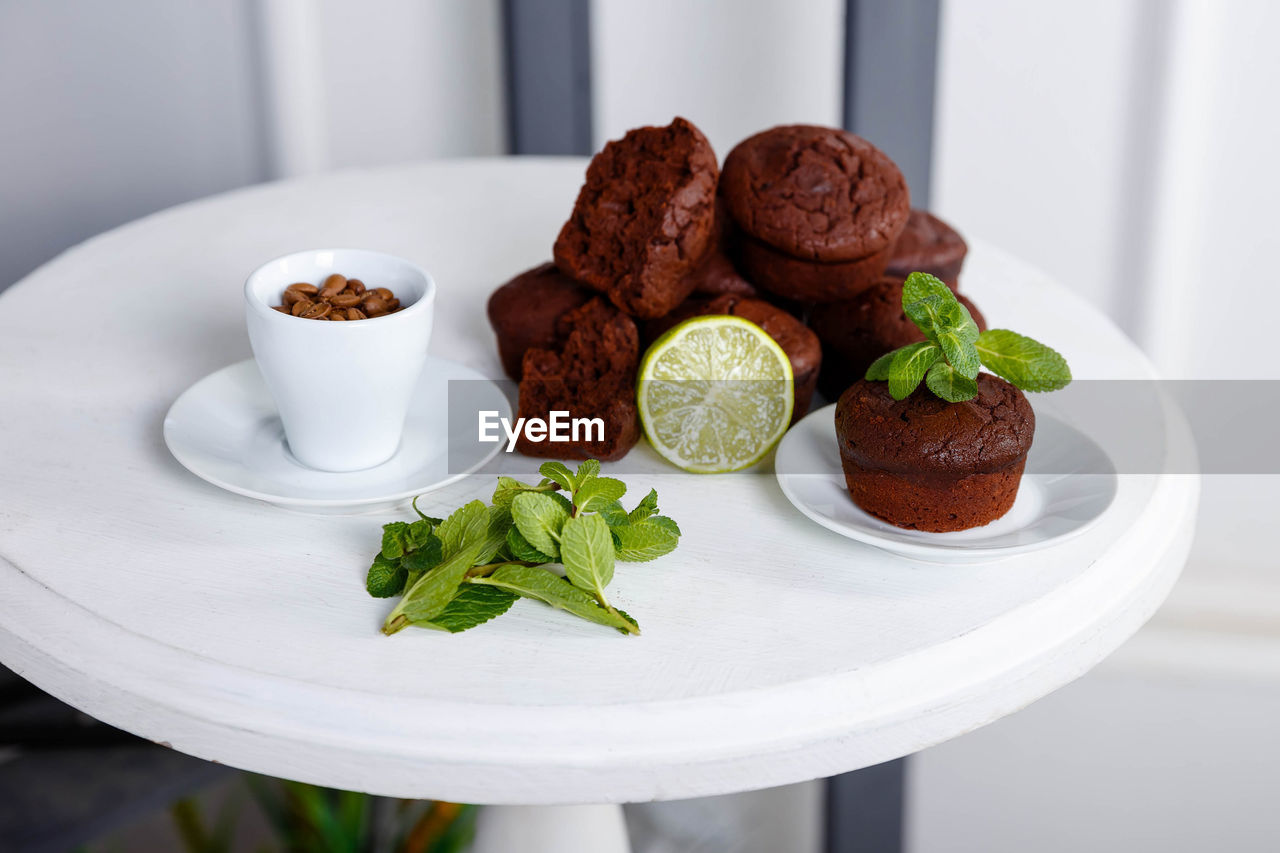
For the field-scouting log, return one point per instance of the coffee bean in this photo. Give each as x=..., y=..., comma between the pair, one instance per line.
x=374, y=306
x=300, y=306
x=386, y=294
x=280, y=308
x=356, y=314
x=345, y=299
x=316, y=311
x=333, y=285
x=337, y=315
x=356, y=286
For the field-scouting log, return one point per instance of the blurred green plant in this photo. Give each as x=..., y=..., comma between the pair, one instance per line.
x=309, y=819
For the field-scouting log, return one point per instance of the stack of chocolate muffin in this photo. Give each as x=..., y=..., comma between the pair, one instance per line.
x=804, y=224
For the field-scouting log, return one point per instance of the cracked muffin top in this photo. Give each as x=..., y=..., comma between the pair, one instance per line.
x=925, y=435
x=817, y=193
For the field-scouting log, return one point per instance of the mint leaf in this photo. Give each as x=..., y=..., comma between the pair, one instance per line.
x=597, y=492
x=921, y=285
x=588, y=469
x=879, y=369
x=586, y=549
x=648, y=506
x=644, y=540
x=1023, y=362
x=500, y=522
x=521, y=549
x=432, y=593
x=925, y=301
x=925, y=313
x=546, y=586
x=466, y=525
x=540, y=518
x=956, y=335
x=464, y=536
x=426, y=557
x=473, y=605
x=909, y=365
x=668, y=523
x=627, y=616
x=613, y=513
x=394, y=539
x=950, y=384
x=419, y=534
x=931, y=305
x=508, y=488
x=385, y=577
x=558, y=472
x=960, y=354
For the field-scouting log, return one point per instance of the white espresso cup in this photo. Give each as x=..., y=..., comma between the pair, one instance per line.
x=343, y=388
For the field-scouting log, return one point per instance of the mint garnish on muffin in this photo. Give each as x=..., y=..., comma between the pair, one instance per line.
x=953, y=352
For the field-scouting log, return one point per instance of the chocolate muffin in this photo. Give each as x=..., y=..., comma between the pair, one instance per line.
x=644, y=219
x=592, y=375
x=717, y=274
x=797, y=341
x=804, y=281
x=925, y=464
x=929, y=245
x=856, y=332
x=814, y=195
x=525, y=312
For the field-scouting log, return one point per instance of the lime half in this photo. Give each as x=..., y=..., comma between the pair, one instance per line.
x=715, y=394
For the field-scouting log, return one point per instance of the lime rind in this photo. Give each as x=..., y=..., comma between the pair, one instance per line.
x=715, y=394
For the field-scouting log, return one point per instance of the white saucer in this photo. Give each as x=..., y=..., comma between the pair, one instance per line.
x=225, y=429
x=1068, y=485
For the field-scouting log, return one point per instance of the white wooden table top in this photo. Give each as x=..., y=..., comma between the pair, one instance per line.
x=773, y=650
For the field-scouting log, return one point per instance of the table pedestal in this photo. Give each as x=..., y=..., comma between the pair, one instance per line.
x=551, y=829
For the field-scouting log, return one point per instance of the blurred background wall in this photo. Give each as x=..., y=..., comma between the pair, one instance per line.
x=1126, y=146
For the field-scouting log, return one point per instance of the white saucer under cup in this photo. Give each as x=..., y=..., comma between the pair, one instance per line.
x=226, y=430
x=342, y=389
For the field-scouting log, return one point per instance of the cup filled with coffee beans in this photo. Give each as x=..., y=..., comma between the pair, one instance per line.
x=340, y=336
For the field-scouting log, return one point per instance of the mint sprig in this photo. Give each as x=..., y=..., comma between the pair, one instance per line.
x=1022, y=361
x=953, y=352
x=455, y=573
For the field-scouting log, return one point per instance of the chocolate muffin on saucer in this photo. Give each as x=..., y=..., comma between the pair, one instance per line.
x=925, y=464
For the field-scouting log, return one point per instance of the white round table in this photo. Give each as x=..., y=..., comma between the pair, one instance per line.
x=773, y=650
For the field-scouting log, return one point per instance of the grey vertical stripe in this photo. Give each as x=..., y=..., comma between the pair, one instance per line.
x=890, y=70
x=891, y=49
x=865, y=809
x=548, y=56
